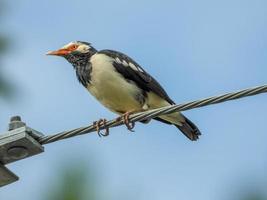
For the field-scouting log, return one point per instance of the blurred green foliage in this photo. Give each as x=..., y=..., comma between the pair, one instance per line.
x=5, y=87
x=254, y=196
x=74, y=182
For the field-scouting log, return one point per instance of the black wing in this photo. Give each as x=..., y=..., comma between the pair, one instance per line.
x=134, y=72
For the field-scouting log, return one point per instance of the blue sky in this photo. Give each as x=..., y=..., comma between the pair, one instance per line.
x=194, y=48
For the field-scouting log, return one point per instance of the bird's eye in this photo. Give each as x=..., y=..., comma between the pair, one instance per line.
x=73, y=47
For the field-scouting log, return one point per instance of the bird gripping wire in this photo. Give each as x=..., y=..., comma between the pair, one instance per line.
x=22, y=141
x=156, y=112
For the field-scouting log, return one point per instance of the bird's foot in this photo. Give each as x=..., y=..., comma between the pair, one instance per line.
x=125, y=118
x=98, y=124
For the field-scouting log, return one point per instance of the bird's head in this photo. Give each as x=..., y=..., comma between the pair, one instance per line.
x=76, y=53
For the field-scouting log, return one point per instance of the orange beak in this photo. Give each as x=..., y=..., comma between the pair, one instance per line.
x=60, y=52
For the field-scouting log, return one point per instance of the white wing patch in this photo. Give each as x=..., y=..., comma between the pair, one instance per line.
x=135, y=67
x=126, y=64
x=118, y=60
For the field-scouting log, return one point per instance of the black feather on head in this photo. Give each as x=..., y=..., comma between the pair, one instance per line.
x=79, y=58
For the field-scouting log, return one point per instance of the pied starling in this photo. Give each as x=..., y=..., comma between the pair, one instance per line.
x=121, y=84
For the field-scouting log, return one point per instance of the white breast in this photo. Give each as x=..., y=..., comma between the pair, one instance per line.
x=109, y=86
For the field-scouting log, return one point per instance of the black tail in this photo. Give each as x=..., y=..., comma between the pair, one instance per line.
x=188, y=128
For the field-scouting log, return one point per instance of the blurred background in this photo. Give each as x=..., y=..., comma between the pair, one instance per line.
x=194, y=48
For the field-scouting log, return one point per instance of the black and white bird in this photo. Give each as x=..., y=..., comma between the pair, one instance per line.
x=121, y=84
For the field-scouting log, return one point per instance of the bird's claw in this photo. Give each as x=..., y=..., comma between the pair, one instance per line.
x=98, y=124
x=125, y=118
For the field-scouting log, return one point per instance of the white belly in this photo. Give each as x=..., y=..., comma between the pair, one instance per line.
x=114, y=92
x=110, y=88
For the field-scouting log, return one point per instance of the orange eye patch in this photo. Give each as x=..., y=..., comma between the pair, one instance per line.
x=73, y=47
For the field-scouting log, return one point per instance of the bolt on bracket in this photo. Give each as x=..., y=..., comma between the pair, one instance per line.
x=16, y=144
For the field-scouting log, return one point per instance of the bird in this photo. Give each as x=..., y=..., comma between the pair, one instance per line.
x=121, y=84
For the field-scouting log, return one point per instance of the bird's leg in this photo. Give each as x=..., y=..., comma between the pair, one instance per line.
x=98, y=124
x=106, y=128
x=125, y=117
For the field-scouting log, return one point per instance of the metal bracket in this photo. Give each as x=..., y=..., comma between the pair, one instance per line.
x=7, y=176
x=16, y=144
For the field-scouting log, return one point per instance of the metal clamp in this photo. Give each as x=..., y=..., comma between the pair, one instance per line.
x=17, y=143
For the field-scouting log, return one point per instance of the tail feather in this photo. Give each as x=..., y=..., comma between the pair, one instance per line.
x=162, y=120
x=187, y=127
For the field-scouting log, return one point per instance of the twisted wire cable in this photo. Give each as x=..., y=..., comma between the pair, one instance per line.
x=156, y=112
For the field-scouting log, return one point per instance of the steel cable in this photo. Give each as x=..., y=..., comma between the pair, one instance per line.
x=156, y=112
